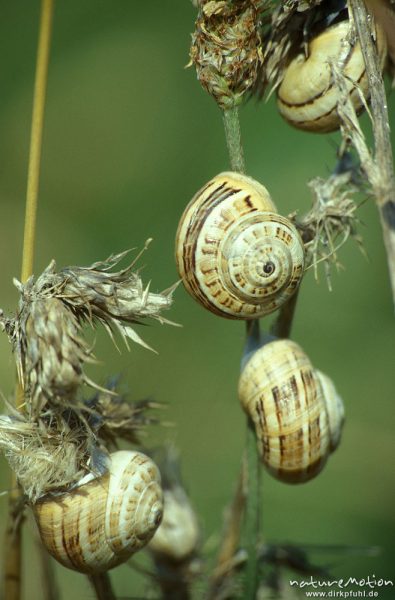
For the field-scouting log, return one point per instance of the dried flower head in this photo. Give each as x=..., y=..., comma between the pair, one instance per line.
x=46, y=333
x=226, y=48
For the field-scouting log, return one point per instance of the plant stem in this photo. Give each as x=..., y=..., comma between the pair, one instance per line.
x=13, y=534
x=49, y=584
x=252, y=513
x=33, y=176
x=233, y=139
x=247, y=498
x=383, y=182
x=281, y=327
x=101, y=583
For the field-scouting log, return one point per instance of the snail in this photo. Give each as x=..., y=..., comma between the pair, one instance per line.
x=103, y=520
x=178, y=535
x=235, y=255
x=297, y=413
x=307, y=97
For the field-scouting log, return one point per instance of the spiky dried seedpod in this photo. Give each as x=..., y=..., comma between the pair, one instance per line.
x=298, y=415
x=103, y=520
x=307, y=97
x=235, y=255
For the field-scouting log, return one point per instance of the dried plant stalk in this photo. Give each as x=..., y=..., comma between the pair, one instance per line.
x=379, y=171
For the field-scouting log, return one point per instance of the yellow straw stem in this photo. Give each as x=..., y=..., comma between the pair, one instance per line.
x=13, y=534
x=33, y=174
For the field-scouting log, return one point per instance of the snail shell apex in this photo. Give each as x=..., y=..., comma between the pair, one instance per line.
x=103, y=521
x=235, y=255
x=307, y=97
x=282, y=393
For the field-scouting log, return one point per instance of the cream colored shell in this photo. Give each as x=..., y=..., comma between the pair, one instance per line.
x=103, y=521
x=235, y=255
x=307, y=97
x=298, y=420
x=178, y=535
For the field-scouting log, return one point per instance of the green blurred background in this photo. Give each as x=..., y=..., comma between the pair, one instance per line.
x=129, y=138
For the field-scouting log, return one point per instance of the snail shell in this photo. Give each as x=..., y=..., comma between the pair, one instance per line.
x=178, y=535
x=307, y=97
x=235, y=255
x=103, y=521
x=296, y=411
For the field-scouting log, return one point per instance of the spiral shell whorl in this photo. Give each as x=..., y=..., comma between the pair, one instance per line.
x=235, y=255
x=307, y=97
x=334, y=407
x=102, y=522
x=282, y=393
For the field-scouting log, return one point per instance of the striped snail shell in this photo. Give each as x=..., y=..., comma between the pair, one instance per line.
x=104, y=520
x=296, y=410
x=235, y=255
x=307, y=97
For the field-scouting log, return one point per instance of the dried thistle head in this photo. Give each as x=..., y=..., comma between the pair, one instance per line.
x=46, y=333
x=49, y=349
x=226, y=48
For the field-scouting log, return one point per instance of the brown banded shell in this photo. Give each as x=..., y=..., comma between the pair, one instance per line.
x=103, y=521
x=307, y=97
x=235, y=255
x=298, y=420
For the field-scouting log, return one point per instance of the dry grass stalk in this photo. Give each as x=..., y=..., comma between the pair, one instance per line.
x=380, y=169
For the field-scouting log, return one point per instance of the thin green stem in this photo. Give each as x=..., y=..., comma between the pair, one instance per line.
x=233, y=139
x=252, y=514
x=251, y=470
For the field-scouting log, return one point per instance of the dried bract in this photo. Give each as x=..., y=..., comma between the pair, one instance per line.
x=226, y=48
x=113, y=298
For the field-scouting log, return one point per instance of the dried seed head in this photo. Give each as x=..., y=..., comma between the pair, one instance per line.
x=48, y=348
x=46, y=334
x=226, y=48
